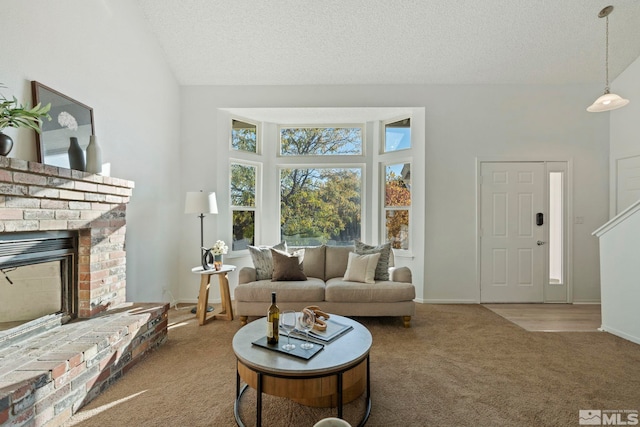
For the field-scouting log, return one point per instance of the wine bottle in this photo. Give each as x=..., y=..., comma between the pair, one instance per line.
x=273, y=321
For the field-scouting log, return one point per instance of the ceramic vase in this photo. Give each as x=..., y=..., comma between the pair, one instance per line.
x=76, y=155
x=94, y=156
x=6, y=144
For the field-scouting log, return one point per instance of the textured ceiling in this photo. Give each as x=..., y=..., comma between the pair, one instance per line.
x=257, y=42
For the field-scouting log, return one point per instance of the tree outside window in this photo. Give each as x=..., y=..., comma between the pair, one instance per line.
x=320, y=141
x=244, y=136
x=243, y=202
x=397, y=200
x=320, y=206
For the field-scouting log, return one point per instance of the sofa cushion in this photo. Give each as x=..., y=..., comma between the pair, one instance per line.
x=382, y=270
x=361, y=268
x=296, y=291
x=262, y=260
x=336, y=259
x=287, y=266
x=339, y=290
x=313, y=265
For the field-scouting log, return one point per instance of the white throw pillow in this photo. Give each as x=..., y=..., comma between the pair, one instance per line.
x=361, y=268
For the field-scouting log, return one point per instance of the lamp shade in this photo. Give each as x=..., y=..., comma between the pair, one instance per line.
x=200, y=202
x=608, y=101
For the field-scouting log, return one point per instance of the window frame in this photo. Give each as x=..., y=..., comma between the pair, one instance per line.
x=258, y=126
x=383, y=207
x=315, y=165
x=383, y=135
x=257, y=196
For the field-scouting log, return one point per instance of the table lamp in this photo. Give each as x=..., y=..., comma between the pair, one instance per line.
x=202, y=203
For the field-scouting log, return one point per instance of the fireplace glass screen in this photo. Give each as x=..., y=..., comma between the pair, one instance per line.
x=37, y=278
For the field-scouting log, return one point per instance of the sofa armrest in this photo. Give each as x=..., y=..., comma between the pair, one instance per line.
x=400, y=274
x=247, y=275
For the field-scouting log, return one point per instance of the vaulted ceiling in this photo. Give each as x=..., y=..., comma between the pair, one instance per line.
x=257, y=42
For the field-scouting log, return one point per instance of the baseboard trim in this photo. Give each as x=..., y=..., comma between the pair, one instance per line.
x=620, y=334
x=450, y=301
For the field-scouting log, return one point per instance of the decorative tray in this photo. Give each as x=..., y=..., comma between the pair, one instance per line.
x=298, y=352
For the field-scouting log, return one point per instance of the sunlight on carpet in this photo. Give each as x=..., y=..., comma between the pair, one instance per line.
x=84, y=416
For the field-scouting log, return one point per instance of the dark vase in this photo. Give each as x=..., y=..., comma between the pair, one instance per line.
x=207, y=259
x=76, y=155
x=6, y=144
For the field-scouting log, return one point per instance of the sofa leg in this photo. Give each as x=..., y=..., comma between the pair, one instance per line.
x=407, y=321
x=243, y=320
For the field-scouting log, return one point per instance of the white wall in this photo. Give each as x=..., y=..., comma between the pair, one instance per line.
x=101, y=53
x=625, y=126
x=463, y=123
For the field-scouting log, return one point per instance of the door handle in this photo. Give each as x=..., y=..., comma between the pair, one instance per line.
x=540, y=242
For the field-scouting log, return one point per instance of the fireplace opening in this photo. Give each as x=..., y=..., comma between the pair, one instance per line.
x=38, y=281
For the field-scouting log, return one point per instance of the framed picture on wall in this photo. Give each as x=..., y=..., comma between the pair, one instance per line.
x=69, y=119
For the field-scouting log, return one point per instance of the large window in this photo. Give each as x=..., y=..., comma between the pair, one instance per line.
x=335, y=183
x=320, y=205
x=397, y=201
x=243, y=204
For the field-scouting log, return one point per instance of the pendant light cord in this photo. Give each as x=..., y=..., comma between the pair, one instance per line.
x=606, y=57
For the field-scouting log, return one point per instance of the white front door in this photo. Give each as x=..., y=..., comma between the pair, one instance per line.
x=511, y=255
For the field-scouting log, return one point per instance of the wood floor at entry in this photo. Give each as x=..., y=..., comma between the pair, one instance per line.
x=551, y=317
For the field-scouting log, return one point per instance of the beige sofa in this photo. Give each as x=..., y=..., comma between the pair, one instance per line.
x=325, y=267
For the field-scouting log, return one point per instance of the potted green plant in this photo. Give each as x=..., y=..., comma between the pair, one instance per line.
x=16, y=115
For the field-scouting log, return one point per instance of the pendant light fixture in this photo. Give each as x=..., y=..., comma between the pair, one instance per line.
x=608, y=101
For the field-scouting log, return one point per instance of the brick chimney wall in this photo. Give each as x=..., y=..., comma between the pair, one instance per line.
x=39, y=197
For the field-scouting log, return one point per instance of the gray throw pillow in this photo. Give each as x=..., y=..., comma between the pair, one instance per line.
x=287, y=267
x=262, y=260
x=382, y=269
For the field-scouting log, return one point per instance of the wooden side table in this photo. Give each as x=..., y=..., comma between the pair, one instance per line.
x=203, y=296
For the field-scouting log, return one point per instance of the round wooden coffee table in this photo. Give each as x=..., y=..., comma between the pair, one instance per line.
x=336, y=375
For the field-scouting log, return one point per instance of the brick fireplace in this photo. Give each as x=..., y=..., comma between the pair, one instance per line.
x=38, y=197
x=47, y=375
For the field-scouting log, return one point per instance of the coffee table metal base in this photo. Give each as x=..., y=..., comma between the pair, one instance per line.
x=285, y=386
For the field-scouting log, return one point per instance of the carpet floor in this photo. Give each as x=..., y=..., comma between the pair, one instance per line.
x=458, y=365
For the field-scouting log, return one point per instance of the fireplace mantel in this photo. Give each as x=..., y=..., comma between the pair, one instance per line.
x=39, y=197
